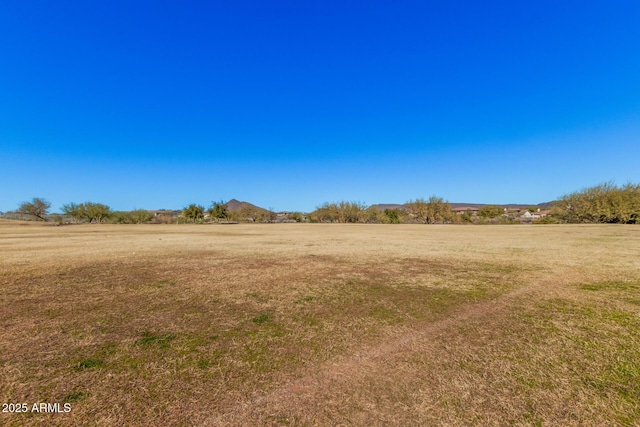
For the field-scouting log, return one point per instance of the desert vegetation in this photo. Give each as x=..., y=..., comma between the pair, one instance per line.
x=87, y=211
x=420, y=211
x=603, y=203
x=136, y=216
x=321, y=325
x=37, y=207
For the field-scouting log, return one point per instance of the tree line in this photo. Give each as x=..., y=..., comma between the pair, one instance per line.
x=219, y=212
x=196, y=213
x=603, y=203
x=434, y=210
x=431, y=211
x=91, y=212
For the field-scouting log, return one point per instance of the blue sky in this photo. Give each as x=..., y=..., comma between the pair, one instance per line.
x=290, y=104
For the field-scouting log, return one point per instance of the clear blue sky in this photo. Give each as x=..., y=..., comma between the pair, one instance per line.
x=289, y=104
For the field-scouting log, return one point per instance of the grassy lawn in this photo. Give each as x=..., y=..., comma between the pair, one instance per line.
x=313, y=324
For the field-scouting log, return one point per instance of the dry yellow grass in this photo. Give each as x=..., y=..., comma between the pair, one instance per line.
x=304, y=324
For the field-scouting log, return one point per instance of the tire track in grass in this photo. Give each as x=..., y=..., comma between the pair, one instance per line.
x=297, y=400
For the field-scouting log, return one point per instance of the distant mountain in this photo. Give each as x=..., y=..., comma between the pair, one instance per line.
x=234, y=205
x=481, y=205
x=383, y=206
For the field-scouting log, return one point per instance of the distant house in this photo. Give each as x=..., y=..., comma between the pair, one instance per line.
x=535, y=215
x=464, y=209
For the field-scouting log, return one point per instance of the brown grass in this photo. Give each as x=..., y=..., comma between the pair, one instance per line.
x=303, y=324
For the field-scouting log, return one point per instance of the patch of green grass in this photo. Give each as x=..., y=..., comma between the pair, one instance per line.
x=164, y=283
x=263, y=356
x=106, y=350
x=160, y=340
x=74, y=397
x=305, y=299
x=531, y=417
x=622, y=318
x=195, y=342
x=89, y=363
x=611, y=286
x=386, y=315
x=203, y=364
x=261, y=319
x=600, y=345
x=311, y=320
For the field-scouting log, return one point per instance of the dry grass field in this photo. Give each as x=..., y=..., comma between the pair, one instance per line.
x=312, y=324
